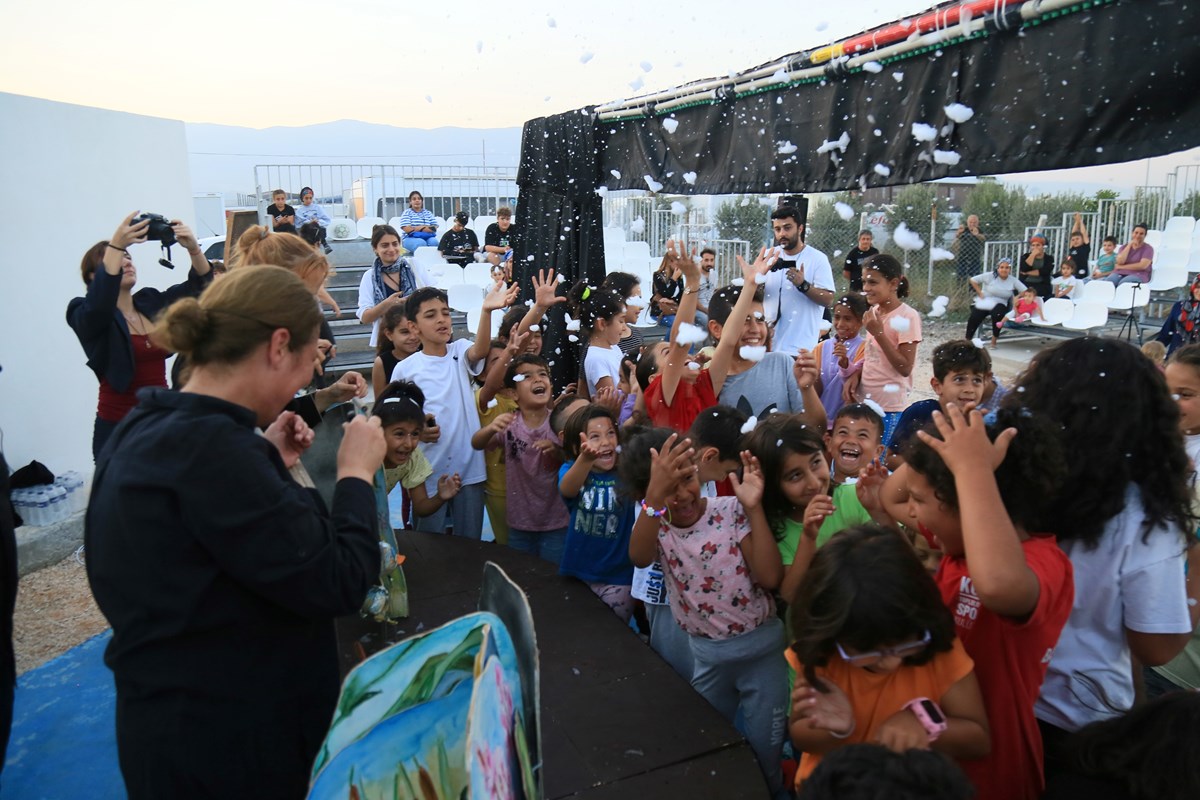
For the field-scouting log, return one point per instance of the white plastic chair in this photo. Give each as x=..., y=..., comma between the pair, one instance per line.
x=480, y=225
x=1096, y=292
x=1154, y=239
x=1087, y=316
x=428, y=256
x=342, y=229
x=1055, y=311
x=465, y=297
x=1129, y=295
x=395, y=223
x=478, y=274
x=1170, y=271
x=366, y=224
x=636, y=251
x=1179, y=229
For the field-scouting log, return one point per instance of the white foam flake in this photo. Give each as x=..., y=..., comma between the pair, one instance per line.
x=948, y=157
x=844, y=211
x=906, y=239
x=923, y=132
x=518, y=378
x=899, y=324
x=872, y=66
x=637, y=83
x=670, y=124
x=760, y=279
x=871, y=404
x=638, y=226
x=535, y=328
x=493, y=403
x=693, y=366
x=940, y=254
x=572, y=324
x=479, y=46
x=786, y=148
x=882, y=170
x=689, y=178
x=586, y=57
x=978, y=342
x=752, y=353
x=573, y=338
x=750, y=425
x=891, y=388
x=738, y=282
x=654, y=185
x=646, y=66
x=551, y=22
x=690, y=334
x=678, y=208
x=959, y=112
x=840, y=144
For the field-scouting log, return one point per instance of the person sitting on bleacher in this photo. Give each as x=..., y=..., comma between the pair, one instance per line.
x=1135, y=260
x=459, y=244
x=311, y=220
x=500, y=237
x=418, y=223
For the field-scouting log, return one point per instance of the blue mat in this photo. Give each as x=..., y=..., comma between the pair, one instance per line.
x=64, y=742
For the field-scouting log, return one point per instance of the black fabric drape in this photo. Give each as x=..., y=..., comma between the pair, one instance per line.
x=1092, y=86
x=561, y=220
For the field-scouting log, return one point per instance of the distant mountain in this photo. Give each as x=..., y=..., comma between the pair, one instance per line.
x=222, y=157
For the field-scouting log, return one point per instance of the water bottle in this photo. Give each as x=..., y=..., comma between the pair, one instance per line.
x=20, y=504
x=57, y=503
x=39, y=507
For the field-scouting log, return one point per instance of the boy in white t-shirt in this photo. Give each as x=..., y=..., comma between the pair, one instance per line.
x=443, y=369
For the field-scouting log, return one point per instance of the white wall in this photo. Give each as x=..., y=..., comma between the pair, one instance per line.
x=68, y=175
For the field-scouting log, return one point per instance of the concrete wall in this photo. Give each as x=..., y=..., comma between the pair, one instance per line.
x=68, y=175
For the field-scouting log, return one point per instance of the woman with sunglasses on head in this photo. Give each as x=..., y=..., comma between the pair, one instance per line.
x=113, y=322
x=875, y=655
x=220, y=575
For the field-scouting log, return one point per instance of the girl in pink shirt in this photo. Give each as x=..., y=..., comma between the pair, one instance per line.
x=884, y=371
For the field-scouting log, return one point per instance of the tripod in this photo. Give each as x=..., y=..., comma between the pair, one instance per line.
x=1131, y=323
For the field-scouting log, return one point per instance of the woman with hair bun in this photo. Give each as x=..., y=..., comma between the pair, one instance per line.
x=113, y=323
x=221, y=577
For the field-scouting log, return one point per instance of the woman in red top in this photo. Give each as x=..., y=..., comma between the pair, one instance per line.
x=112, y=322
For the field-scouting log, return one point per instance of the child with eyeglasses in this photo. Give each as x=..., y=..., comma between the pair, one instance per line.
x=876, y=656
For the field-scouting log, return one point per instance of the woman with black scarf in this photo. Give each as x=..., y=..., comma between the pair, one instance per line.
x=389, y=281
x=1182, y=325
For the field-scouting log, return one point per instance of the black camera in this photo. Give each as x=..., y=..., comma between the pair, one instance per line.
x=160, y=231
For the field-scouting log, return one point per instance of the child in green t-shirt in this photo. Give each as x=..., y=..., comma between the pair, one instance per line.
x=800, y=508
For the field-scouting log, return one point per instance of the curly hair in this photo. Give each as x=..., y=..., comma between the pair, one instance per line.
x=1030, y=478
x=772, y=441
x=1123, y=427
x=1148, y=751
x=866, y=588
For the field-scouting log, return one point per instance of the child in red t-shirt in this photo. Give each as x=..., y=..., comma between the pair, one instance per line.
x=681, y=389
x=981, y=490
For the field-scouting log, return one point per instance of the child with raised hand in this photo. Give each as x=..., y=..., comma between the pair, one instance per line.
x=797, y=501
x=493, y=400
x=988, y=493
x=876, y=656
x=681, y=389
x=400, y=408
x=533, y=322
x=717, y=434
x=721, y=565
x=884, y=373
x=444, y=369
x=398, y=342
x=537, y=517
x=853, y=441
x=597, y=543
x=601, y=319
x=835, y=355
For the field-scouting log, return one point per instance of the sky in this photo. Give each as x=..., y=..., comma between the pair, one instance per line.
x=468, y=63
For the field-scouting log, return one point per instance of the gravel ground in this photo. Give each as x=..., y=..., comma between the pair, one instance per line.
x=55, y=610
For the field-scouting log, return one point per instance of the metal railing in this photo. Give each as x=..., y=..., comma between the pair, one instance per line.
x=381, y=190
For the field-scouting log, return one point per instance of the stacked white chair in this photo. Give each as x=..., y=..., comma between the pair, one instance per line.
x=394, y=222
x=468, y=299
x=1129, y=296
x=1170, y=270
x=1055, y=311
x=1096, y=292
x=366, y=224
x=1087, y=316
x=342, y=229
x=478, y=274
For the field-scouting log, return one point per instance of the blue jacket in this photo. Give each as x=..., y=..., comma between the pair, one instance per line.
x=102, y=329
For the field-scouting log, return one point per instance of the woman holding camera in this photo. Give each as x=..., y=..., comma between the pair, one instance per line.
x=113, y=323
x=220, y=575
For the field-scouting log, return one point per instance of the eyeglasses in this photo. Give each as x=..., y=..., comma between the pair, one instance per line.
x=899, y=651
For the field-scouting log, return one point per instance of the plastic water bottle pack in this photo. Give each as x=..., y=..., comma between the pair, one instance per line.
x=50, y=503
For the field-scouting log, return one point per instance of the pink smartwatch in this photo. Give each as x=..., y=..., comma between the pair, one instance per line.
x=929, y=715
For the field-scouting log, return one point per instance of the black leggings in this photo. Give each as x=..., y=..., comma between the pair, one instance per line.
x=977, y=316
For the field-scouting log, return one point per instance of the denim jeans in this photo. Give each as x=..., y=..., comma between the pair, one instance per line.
x=546, y=545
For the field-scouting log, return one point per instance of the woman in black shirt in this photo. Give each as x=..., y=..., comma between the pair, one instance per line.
x=221, y=576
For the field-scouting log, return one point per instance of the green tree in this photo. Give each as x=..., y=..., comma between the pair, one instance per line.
x=1001, y=209
x=826, y=230
x=1189, y=206
x=738, y=219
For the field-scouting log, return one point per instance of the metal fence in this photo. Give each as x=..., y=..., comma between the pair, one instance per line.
x=381, y=190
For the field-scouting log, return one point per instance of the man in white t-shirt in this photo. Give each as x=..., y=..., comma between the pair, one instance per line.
x=796, y=294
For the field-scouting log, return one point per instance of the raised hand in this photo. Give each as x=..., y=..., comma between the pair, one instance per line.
x=611, y=398
x=872, y=322
x=820, y=507
x=449, y=486
x=749, y=488
x=870, y=482
x=761, y=266
x=516, y=341
x=127, y=234
x=184, y=235
x=806, y=369
x=588, y=452
x=500, y=297
x=545, y=288
x=500, y=424
x=827, y=710
x=668, y=467
x=964, y=441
